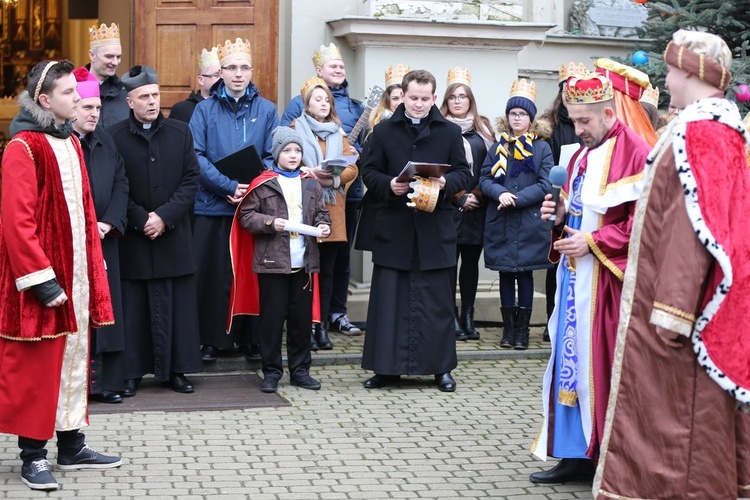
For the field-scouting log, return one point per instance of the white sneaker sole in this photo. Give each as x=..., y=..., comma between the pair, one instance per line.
x=112, y=465
x=43, y=486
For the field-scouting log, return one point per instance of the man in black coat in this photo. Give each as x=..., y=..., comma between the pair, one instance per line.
x=109, y=188
x=156, y=253
x=105, y=55
x=209, y=72
x=410, y=313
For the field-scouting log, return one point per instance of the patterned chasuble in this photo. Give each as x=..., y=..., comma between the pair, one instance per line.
x=566, y=329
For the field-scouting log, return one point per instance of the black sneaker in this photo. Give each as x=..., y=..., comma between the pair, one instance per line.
x=38, y=476
x=269, y=384
x=343, y=325
x=306, y=382
x=87, y=458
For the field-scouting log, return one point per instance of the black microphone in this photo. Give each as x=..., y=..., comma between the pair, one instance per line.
x=558, y=176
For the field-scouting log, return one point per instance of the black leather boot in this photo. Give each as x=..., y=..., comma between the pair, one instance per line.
x=522, y=329
x=509, y=326
x=313, y=343
x=321, y=337
x=566, y=471
x=467, y=322
x=457, y=328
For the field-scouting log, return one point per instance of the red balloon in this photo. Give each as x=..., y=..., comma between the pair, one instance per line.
x=641, y=1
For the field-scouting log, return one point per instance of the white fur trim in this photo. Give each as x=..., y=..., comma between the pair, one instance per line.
x=724, y=112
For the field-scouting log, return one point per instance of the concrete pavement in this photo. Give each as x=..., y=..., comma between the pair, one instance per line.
x=342, y=442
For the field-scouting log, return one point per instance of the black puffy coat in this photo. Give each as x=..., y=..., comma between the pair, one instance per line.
x=515, y=238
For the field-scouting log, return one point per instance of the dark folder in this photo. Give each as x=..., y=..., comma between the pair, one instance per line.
x=242, y=166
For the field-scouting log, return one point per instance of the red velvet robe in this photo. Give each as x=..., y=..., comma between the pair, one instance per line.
x=35, y=246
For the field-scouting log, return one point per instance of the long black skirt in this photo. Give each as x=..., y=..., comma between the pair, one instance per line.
x=108, y=343
x=161, y=327
x=213, y=281
x=410, y=323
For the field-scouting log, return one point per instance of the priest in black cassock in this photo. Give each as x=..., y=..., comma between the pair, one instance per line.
x=410, y=313
x=156, y=253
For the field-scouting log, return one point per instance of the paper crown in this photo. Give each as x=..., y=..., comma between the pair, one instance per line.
x=103, y=35
x=325, y=54
x=425, y=196
x=231, y=52
x=627, y=80
x=651, y=96
x=310, y=84
x=208, y=59
x=588, y=89
x=88, y=84
x=522, y=88
x=394, y=75
x=459, y=75
x=572, y=69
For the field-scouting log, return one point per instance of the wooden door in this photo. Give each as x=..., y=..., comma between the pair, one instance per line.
x=169, y=34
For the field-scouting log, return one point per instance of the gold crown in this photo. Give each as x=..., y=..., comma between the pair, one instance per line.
x=310, y=84
x=572, y=69
x=208, y=59
x=459, y=75
x=325, y=54
x=425, y=195
x=395, y=74
x=233, y=51
x=522, y=88
x=588, y=89
x=103, y=35
x=651, y=96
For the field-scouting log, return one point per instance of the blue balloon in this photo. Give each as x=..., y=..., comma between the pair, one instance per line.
x=640, y=57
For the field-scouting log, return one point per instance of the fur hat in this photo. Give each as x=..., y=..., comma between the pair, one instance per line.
x=281, y=136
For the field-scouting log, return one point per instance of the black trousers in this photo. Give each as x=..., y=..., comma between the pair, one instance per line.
x=285, y=296
x=330, y=255
x=68, y=443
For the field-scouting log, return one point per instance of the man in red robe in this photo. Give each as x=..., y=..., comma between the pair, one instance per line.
x=678, y=425
x=604, y=181
x=53, y=284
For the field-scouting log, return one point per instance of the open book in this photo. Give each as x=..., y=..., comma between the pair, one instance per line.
x=415, y=168
x=338, y=164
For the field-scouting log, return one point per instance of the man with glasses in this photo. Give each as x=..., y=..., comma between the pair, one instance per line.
x=209, y=72
x=232, y=118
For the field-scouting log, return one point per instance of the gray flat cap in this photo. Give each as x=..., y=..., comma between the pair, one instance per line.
x=138, y=76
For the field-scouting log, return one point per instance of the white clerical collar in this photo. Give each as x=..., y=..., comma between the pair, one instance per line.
x=415, y=121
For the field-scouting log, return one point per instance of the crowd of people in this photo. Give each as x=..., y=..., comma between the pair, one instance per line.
x=126, y=248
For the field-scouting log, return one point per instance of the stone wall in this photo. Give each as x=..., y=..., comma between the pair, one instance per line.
x=446, y=10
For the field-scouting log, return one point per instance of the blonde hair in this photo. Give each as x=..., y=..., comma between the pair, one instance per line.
x=332, y=115
x=707, y=44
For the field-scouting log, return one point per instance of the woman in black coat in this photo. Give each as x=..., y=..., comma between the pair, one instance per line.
x=460, y=107
x=515, y=179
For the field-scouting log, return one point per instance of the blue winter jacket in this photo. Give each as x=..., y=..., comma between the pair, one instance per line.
x=218, y=130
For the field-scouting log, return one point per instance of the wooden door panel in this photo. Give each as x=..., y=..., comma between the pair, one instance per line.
x=170, y=33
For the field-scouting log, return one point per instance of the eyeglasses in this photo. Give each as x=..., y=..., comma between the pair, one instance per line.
x=233, y=69
x=212, y=75
x=458, y=98
x=519, y=115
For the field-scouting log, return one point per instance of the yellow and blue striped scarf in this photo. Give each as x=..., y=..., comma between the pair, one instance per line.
x=523, y=150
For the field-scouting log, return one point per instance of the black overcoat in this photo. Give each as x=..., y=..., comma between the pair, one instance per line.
x=109, y=188
x=399, y=231
x=163, y=173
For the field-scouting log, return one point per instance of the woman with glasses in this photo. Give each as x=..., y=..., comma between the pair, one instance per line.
x=460, y=107
x=515, y=179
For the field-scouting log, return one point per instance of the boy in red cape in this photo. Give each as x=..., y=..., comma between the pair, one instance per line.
x=53, y=283
x=283, y=278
